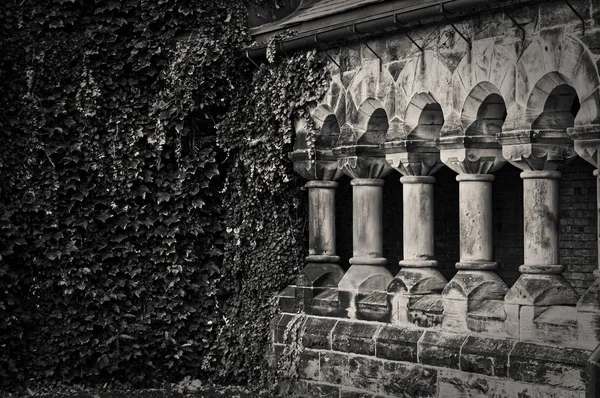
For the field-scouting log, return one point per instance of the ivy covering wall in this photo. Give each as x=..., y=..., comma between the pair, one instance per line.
x=148, y=212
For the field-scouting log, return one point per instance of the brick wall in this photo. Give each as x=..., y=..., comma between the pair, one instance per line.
x=577, y=240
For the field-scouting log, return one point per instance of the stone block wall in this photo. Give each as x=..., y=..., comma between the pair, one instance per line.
x=344, y=358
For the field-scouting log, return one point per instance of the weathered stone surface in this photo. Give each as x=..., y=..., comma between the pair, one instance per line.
x=318, y=332
x=308, y=365
x=486, y=356
x=286, y=300
x=407, y=381
x=398, y=344
x=326, y=303
x=488, y=317
x=556, y=324
x=365, y=373
x=453, y=383
x=279, y=325
x=426, y=311
x=354, y=337
x=440, y=349
x=554, y=366
x=373, y=307
x=334, y=368
x=304, y=389
x=355, y=394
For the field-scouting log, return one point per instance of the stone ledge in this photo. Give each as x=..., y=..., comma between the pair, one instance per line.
x=355, y=337
x=440, y=349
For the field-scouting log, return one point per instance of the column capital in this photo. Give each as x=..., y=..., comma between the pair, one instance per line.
x=536, y=149
x=323, y=167
x=362, y=161
x=587, y=142
x=413, y=157
x=471, y=154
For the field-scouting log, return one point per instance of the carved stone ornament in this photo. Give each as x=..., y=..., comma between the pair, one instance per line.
x=413, y=157
x=587, y=142
x=471, y=155
x=362, y=161
x=536, y=149
x=323, y=166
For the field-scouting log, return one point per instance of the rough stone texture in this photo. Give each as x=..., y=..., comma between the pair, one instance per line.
x=486, y=356
x=317, y=333
x=334, y=368
x=440, y=349
x=355, y=337
x=407, y=381
x=365, y=373
x=308, y=365
x=398, y=344
x=555, y=366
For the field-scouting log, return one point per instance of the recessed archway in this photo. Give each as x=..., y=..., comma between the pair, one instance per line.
x=560, y=109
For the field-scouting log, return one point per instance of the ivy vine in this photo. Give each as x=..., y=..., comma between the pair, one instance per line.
x=148, y=211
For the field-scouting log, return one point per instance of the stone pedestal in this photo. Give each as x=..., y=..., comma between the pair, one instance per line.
x=541, y=285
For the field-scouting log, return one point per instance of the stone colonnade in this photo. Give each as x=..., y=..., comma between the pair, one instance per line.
x=535, y=116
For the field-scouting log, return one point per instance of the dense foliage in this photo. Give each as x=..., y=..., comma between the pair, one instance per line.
x=125, y=256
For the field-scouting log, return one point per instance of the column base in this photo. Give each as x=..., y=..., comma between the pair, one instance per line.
x=541, y=308
x=315, y=279
x=322, y=258
x=466, y=293
x=414, y=297
x=361, y=280
x=541, y=290
x=476, y=265
x=418, y=263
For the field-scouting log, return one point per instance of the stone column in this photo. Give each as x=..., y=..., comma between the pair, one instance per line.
x=538, y=153
x=419, y=277
x=366, y=165
x=587, y=145
x=417, y=196
x=476, y=284
x=321, y=270
x=321, y=225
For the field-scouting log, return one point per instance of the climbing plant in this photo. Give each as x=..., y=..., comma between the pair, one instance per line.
x=148, y=211
x=264, y=209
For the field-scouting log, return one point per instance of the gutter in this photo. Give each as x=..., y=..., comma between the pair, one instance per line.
x=395, y=20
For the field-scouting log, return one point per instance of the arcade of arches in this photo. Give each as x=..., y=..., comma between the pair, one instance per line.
x=470, y=264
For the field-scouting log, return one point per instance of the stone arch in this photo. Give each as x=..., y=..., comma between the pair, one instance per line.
x=371, y=123
x=489, y=69
x=328, y=126
x=484, y=110
x=553, y=59
x=424, y=117
x=422, y=77
x=559, y=107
